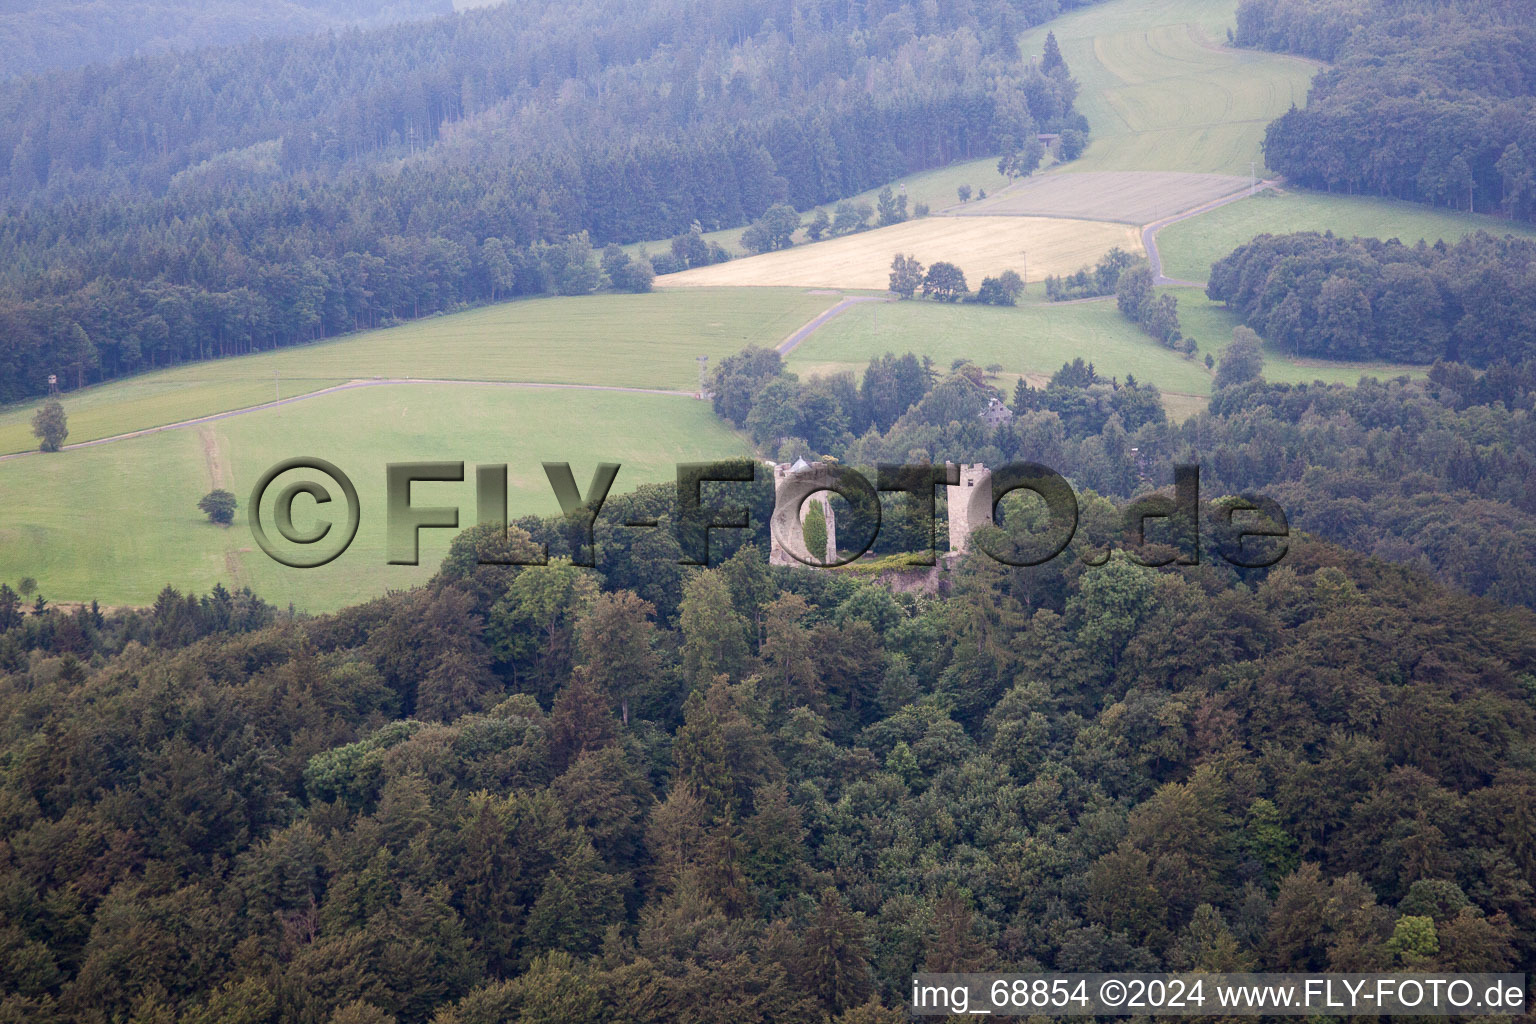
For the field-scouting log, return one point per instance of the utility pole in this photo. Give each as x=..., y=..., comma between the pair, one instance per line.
x=1253, y=178
x=276, y=393
x=703, y=362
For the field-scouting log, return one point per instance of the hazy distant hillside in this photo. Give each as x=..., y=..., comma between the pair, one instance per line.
x=199, y=204
x=43, y=36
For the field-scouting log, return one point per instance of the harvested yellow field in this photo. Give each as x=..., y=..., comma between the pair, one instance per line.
x=980, y=246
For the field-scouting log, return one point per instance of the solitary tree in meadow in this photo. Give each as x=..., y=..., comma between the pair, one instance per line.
x=50, y=426
x=218, y=506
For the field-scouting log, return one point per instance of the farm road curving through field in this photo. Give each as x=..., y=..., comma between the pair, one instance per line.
x=789, y=344
x=1149, y=233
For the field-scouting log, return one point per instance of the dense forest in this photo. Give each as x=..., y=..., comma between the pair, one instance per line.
x=1438, y=473
x=43, y=35
x=653, y=792
x=755, y=794
x=287, y=190
x=1473, y=302
x=1428, y=101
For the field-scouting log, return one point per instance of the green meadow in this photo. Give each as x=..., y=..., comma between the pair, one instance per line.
x=1189, y=247
x=1210, y=324
x=1162, y=92
x=118, y=522
x=644, y=341
x=1031, y=340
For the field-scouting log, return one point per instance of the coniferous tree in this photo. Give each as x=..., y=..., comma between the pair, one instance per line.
x=1051, y=59
x=834, y=962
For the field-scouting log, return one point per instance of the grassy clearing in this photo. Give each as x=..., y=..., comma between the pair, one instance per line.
x=1130, y=197
x=111, y=523
x=1189, y=247
x=1181, y=407
x=1210, y=324
x=119, y=522
x=1161, y=95
x=164, y=396
x=1031, y=341
x=622, y=340
x=1033, y=246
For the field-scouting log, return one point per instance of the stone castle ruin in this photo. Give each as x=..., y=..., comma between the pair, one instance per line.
x=796, y=486
x=970, y=504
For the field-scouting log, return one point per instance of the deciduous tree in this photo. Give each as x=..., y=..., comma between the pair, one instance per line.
x=50, y=426
x=219, y=506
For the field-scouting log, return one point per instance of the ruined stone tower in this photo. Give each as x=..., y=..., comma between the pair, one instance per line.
x=970, y=504
x=791, y=486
